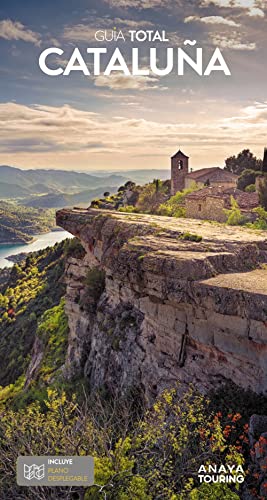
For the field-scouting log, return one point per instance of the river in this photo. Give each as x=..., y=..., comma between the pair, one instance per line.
x=41, y=241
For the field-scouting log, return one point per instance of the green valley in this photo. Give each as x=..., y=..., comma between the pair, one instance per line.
x=18, y=224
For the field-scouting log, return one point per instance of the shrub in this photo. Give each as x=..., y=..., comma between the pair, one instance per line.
x=251, y=188
x=191, y=237
x=156, y=456
x=263, y=192
x=74, y=248
x=129, y=209
x=174, y=206
x=95, y=284
x=213, y=492
x=247, y=178
x=261, y=222
x=151, y=196
x=95, y=203
x=234, y=216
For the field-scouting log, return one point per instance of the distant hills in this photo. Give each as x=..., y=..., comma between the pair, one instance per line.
x=142, y=176
x=47, y=180
x=59, y=188
x=60, y=200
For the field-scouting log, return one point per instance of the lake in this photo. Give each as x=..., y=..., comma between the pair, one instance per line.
x=42, y=241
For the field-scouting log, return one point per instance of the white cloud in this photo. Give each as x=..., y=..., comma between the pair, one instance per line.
x=251, y=116
x=256, y=12
x=85, y=32
x=212, y=20
x=121, y=82
x=138, y=4
x=14, y=30
x=234, y=42
x=253, y=7
x=66, y=137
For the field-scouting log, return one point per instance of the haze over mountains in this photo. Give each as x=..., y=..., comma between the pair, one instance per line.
x=59, y=188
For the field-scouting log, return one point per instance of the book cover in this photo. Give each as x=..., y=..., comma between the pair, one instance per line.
x=133, y=250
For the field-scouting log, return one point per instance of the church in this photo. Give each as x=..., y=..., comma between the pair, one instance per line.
x=181, y=178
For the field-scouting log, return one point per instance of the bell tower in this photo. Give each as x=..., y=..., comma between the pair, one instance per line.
x=179, y=170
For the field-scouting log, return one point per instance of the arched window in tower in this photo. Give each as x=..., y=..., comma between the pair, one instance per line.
x=180, y=165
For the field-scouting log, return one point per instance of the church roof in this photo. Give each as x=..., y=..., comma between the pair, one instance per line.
x=179, y=153
x=215, y=174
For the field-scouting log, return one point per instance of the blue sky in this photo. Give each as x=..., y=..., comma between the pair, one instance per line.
x=79, y=122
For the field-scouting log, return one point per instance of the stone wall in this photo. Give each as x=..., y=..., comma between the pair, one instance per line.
x=209, y=208
x=172, y=310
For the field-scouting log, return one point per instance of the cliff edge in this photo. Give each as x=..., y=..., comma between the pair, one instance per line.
x=181, y=300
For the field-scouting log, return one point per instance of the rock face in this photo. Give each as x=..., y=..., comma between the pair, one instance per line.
x=173, y=309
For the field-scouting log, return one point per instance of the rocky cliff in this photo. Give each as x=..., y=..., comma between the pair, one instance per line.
x=182, y=300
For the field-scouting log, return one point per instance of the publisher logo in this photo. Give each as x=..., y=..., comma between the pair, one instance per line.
x=221, y=473
x=55, y=471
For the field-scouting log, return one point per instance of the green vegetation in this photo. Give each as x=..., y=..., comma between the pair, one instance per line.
x=31, y=288
x=248, y=177
x=174, y=207
x=234, y=216
x=190, y=237
x=151, y=196
x=74, y=249
x=19, y=224
x=53, y=333
x=131, y=198
x=94, y=287
x=261, y=221
x=95, y=282
x=129, y=209
x=245, y=160
x=251, y=188
x=263, y=193
x=138, y=455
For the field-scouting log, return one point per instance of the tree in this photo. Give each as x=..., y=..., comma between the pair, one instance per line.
x=263, y=193
x=106, y=194
x=245, y=160
x=247, y=178
x=151, y=196
x=129, y=184
x=157, y=184
x=264, y=166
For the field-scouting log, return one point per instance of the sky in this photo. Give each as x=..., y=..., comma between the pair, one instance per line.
x=119, y=122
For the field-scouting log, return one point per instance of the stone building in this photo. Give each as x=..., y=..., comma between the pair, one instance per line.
x=179, y=171
x=181, y=178
x=214, y=176
x=209, y=203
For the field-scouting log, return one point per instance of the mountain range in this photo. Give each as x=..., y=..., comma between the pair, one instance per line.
x=58, y=188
